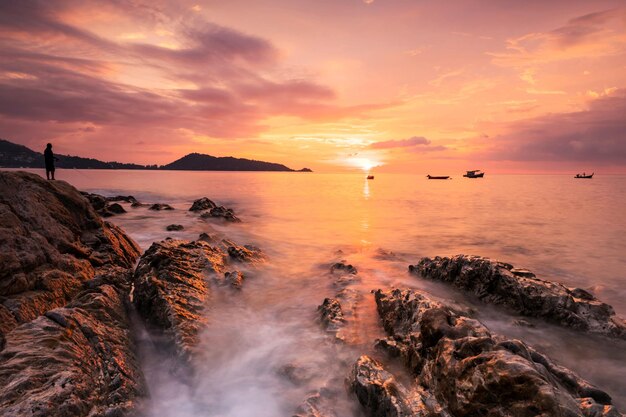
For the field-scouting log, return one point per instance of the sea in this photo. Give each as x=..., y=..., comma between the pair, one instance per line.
x=264, y=352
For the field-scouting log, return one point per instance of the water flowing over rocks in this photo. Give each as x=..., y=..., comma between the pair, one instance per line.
x=245, y=253
x=221, y=212
x=521, y=292
x=468, y=371
x=174, y=227
x=159, y=207
x=331, y=314
x=171, y=289
x=380, y=393
x=65, y=339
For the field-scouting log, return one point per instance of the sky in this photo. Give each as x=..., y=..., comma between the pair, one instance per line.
x=412, y=86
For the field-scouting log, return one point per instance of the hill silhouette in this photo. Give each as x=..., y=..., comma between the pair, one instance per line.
x=13, y=155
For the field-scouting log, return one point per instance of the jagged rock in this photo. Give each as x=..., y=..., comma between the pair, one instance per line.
x=520, y=291
x=65, y=342
x=245, y=253
x=159, y=207
x=103, y=206
x=469, y=371
x=174, y=227
x=316, y=405
x=74, y=361
x=234, y=279
x=202, y=204
x=380, y=394
x=331, y=314
x=205, y=237
x=51, y=241
x=126, y=198
x=171, y=289
x=343, y=267
x=221, y=212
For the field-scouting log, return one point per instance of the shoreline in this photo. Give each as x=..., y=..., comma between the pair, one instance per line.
x=176, y=262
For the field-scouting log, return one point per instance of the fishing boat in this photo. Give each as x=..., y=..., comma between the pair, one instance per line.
x=370, y=177
x=441, y=177
x=476, y=173
x=583, y=175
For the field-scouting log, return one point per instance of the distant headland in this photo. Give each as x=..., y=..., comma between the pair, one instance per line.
x=13, y=155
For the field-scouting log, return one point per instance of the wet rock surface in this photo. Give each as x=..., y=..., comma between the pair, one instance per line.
x=174, y=227
x=331, y=314
x=221, y=212
x=380, y=394
x=77, y=360
x=172, y=289
x=158, y=207
x=245, y=253
x=65, y=340
x=521, y=292
x=202, y=204
x=463, y=369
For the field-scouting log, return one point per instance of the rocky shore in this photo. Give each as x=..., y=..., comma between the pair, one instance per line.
x=70, y=281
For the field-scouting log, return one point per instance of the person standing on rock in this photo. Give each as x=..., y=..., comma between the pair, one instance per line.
x=49, y=159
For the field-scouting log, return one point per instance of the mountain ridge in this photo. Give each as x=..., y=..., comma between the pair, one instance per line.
x=13, y=155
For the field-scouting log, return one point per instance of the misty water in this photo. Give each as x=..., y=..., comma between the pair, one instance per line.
x=264, y=350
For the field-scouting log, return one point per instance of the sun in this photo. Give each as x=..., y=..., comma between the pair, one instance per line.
x=366, y=164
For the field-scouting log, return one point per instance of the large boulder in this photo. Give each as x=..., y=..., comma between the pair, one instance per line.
x=74, y=361
x=65, y=342
x=520, y=291
x=470, y=371
x=51, y=241
x=172, y=289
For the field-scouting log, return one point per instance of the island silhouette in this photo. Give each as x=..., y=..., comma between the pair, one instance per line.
x=13, y=155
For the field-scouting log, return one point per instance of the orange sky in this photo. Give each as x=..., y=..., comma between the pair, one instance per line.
x=398, y=85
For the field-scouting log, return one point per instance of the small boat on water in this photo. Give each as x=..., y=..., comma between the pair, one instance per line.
x=583, y=175
x=476, y=173
x=370, y=177
x=441, y=177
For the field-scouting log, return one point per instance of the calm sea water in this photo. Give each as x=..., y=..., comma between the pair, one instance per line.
x=563, y=229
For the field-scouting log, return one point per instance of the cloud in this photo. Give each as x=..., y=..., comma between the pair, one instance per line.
x=56, y=76
x=596, y=134
x=418, y=144
x=591, y=35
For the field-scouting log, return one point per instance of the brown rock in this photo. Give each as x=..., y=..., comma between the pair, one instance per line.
x=380, y=394
x=521, y=292
x=74, y=361
x=221, y=212
x=469, y=371
x=171, y=289
x=202, y=204
x=51, y=241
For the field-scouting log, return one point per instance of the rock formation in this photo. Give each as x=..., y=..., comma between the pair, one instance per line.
x=380, y=393
x=171, y=289
x=520, y=291
x=158, y=207
x=461, y=369
x=221, y=212
x=202, y=204
x=66, y=346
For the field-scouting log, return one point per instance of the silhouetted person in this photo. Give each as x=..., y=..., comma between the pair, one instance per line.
x=49, y=158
